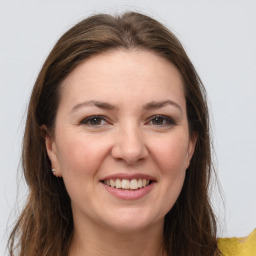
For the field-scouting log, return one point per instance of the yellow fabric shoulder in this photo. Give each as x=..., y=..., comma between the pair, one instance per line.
x=245, y=246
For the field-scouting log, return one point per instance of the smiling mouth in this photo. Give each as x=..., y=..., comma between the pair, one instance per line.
x=125, y=184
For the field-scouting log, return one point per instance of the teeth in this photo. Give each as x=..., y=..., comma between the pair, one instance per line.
x=118, y=183
x=139, y=183
x=126, y=184
x=133, y=184
x=112, y=183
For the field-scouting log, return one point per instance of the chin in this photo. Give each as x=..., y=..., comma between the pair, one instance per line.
x=132, y=220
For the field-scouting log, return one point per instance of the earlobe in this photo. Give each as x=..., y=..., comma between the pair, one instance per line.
x=51, y=151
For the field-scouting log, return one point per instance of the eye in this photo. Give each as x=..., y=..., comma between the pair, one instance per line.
x=94, y=121
x=160, y=120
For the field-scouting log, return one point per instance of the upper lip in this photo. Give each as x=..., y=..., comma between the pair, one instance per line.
x=129, y=176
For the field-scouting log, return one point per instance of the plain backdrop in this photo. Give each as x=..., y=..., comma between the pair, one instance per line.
x=220, y=38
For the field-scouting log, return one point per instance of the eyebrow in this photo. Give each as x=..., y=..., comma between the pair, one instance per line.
x=161, y=104
x=104, y=105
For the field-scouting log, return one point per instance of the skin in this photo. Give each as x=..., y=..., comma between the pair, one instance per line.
x=128, y=139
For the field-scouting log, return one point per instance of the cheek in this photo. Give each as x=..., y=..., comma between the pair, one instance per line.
x=80, y=159
x=80, y=155
x=171, y=158
x=171, y=154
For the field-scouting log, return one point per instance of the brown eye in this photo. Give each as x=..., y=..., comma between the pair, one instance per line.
x=160, y=120
x=93, y=121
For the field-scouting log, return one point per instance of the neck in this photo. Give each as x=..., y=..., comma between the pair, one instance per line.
x=102, y=241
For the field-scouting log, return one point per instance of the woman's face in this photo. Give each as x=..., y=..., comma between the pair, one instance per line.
x=121, y=140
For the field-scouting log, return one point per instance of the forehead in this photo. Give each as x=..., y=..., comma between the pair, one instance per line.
x=119, y=76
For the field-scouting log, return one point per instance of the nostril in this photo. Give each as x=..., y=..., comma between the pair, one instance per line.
x=129, y=149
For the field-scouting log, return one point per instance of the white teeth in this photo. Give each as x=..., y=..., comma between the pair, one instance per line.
x=139, y=183
x=118, y=183
x=126, y=184
x=133, y=184
x=112, y=183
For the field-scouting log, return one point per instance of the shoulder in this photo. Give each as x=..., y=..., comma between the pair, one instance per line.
x=245, y=246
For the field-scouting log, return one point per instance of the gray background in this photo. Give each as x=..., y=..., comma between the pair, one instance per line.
x=220, y=38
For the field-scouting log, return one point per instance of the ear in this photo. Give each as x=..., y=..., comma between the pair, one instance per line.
x=51, y=151
x=191, y=148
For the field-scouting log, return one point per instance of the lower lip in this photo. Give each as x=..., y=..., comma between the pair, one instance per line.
x=129, y=194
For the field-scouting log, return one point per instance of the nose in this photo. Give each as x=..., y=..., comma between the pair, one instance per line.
x=129, y=145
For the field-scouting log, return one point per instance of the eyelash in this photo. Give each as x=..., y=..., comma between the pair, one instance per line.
x=168, y=121
x=88, y=119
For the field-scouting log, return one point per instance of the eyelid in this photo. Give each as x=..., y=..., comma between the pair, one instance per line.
x=170, y=120
x=85, y=120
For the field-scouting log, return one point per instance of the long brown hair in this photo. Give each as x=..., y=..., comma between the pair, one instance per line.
x=45, y=226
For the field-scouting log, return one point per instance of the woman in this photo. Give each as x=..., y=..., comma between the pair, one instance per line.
x=116, y=150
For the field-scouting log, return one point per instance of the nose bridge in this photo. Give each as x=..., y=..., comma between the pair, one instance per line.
x=129, y=143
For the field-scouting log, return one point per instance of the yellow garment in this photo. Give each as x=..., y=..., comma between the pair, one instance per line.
x=245, y=246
